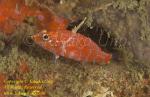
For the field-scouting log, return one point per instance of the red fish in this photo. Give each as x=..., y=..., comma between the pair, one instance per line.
x=71, y=45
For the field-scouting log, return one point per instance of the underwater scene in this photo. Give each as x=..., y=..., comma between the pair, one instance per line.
x=74, y=48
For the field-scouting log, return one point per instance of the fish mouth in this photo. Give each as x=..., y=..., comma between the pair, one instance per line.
x=36, y=38
x=32, y=37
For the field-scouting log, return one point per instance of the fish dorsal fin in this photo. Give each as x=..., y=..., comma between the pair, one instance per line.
x=76, y=28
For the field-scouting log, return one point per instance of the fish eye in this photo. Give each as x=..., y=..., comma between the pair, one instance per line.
x=45, y=37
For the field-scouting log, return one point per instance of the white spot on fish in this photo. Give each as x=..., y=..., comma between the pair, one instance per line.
x=50, y=41
x=65, y=43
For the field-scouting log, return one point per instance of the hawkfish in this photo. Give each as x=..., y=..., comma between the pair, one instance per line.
x=71, y=45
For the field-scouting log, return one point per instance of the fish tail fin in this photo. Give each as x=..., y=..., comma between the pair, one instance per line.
x=107, y=57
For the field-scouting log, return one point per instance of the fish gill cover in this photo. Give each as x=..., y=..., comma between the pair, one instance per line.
x=89, y=30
